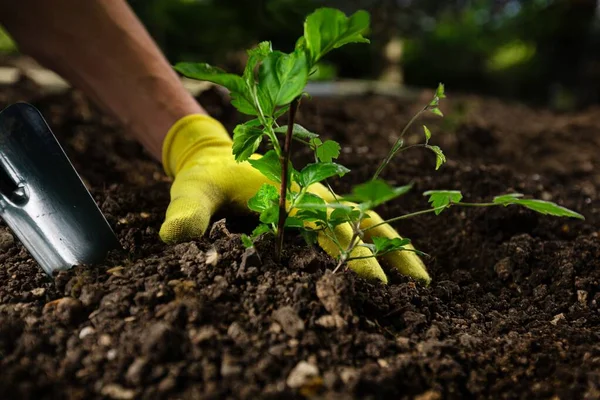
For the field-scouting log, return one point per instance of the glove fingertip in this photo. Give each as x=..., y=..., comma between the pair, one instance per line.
x=368, y=269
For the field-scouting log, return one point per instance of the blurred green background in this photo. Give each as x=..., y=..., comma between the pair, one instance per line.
x=541, y=51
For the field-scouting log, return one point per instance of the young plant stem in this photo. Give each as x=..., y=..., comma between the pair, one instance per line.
x=399, y=142
x=285, y=161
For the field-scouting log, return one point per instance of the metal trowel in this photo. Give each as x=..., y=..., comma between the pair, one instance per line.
x=42, y=198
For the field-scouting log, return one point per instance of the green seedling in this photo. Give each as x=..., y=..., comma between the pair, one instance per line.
x=271, y=86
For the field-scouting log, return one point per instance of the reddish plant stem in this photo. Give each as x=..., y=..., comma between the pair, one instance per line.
x=285, y=162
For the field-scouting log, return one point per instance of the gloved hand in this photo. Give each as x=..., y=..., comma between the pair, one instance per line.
x=197, y=152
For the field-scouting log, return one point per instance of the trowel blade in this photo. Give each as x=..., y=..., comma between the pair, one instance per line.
x=42, y=198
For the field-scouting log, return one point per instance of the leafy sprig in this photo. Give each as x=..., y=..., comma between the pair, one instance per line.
x=272, y=85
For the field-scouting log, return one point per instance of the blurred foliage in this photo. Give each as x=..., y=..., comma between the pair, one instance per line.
x=532, y=49
x=539, y=50
x=7, y=45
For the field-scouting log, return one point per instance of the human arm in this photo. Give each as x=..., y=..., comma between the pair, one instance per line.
x=102, y=48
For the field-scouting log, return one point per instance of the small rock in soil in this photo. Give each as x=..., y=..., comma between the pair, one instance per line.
x=203, y=334
x=137, y=370
x=302, y=375
x=503, y=268
x=331, y=321
x=230, y=367
x=349, y=376
x=429, y=395
x=237, y=334
x=38, y=292
x=6, y=240
x=413, y=319
x=333, y=290
x=289, y=320
x=558, y=319
x=117, y=392
x=67, y=310
x=87, y=331
x=161, y=342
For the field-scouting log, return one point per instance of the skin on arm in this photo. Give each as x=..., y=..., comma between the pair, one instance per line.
x=100, y=47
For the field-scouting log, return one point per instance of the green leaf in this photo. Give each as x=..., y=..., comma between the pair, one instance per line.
x=280, y=111
x=247, y=241
x=294, y=222
x=240, y=95
x=255, y=57
x=427, y=134
x=266, y=202
x=375, y=192
x=206, y=72
x=268, y=165
x=540, y=206
x=327, y=29
x=343, y=214
x=386, y=245
x=326, y=151
x=312, y=208
x=270, y=215
x=443, y=198
x=317, y=172
x=266, y=196
x=298, y=131
x=436, y=111
x=440, y=91
x=440, y=158
x=246, y=139
x=310, y=236
x=282, y=77
x=260, y=230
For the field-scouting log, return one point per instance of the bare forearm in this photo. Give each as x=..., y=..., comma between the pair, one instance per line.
x=100, y=47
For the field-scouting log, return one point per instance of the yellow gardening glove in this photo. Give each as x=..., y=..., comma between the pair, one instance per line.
x=197, y=152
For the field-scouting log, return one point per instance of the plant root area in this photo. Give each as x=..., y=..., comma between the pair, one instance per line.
x=512, y=312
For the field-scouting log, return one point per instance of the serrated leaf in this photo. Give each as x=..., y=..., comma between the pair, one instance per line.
x=427, y=134
x=298, y=131
x=246, y=139
x=386, y=245
x=375, y=192
x=328, y=151
x=266, y=196
x=268, y=165
x=443, y=198
x=343, y=214
x=260, y=230
x=282, y=77
x=436, y=111
x=247, y=241
x=327, y=29
x=314, y=173
x=440, y=158
x=540, y=206
x=240, y=95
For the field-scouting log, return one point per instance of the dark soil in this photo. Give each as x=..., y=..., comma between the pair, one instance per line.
x=513, y=310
